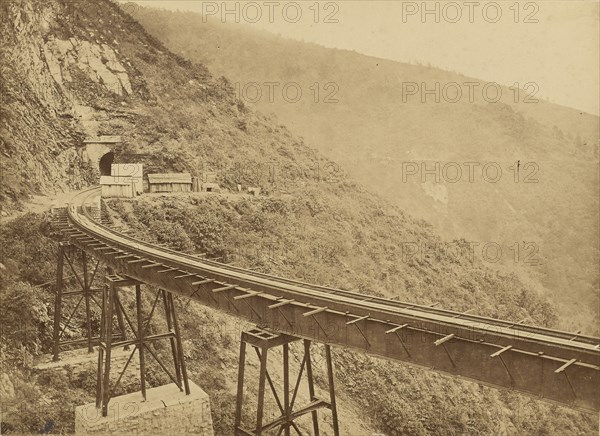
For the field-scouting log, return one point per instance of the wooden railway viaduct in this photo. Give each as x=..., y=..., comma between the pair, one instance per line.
x=556, y=366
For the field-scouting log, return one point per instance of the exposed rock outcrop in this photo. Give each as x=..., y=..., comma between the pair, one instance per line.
x=52, y=81
x=98, y=61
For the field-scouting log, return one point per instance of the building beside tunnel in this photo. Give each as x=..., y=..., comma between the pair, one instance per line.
x=133, y=170
x=170, y=182
x=117, y=187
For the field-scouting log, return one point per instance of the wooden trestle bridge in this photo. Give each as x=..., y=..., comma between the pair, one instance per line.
x=548, y=364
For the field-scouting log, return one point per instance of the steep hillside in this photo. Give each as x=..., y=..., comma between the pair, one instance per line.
x=38, y=133
x=99, y=72
x=320, y=238
x=373, y=116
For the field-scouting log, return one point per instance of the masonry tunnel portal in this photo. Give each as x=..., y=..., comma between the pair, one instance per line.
x=105, y=163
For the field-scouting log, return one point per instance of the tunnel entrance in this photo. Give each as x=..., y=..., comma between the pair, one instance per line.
x=105, y=163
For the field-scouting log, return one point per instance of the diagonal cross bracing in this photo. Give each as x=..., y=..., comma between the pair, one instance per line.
x=317, y=313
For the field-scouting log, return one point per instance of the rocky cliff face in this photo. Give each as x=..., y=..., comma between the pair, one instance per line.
x=98, y=62
x=35, y=135
x=72, y=71
x=53, y=75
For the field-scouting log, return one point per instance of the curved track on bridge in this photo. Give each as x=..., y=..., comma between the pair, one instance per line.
x=548, y=364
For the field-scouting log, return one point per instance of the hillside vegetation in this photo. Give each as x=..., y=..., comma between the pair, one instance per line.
x=373, y=117
x=100, y=71
x=316, y=237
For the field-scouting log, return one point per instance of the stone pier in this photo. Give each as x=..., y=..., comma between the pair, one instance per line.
x=167, y=410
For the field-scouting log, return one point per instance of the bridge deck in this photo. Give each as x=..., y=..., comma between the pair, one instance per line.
x=548, y=364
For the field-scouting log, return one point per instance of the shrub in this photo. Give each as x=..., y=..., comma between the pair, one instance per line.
x=24, y=318
x=27, y=250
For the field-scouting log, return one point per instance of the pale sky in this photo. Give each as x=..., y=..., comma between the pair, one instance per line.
x=554, y=44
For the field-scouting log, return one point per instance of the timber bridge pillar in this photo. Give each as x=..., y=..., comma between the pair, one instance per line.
x=84, y=292
x=262, y=341
x=126, y=321
x=141, y=339
x=132, y=330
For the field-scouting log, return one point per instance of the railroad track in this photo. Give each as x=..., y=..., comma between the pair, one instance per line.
x=554, y=365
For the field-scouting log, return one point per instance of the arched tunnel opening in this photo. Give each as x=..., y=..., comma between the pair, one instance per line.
x=105, y=163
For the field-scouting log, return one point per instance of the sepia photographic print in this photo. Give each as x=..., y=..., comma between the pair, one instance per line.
x=311, y=217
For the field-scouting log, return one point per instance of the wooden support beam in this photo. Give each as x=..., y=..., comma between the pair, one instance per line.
x=314, y=312
x=565, y=366
x=224, y=288
x=357, y=319
x=247, y=295
x=395, y=329
x=281, y=303
x=137, y=261
x=203, y=282
x=444, y=339
x=499, y=352
x=183, y=276
x=162, y=271
x=152, y=265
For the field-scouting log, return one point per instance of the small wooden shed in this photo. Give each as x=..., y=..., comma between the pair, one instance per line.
x=117, y=187
x=133, y=170
x=171, y=182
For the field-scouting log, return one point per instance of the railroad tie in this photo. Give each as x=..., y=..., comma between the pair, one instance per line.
x=152, y=265
x=315, y=311
x=280, y=304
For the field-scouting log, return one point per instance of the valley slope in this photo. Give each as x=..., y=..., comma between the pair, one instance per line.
x=543, y=214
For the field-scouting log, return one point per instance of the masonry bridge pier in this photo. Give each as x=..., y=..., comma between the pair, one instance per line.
x=552, y=365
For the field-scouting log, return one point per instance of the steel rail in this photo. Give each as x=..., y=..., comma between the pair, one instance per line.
x=389, y=302
x=461, y=344
x=522, y=328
